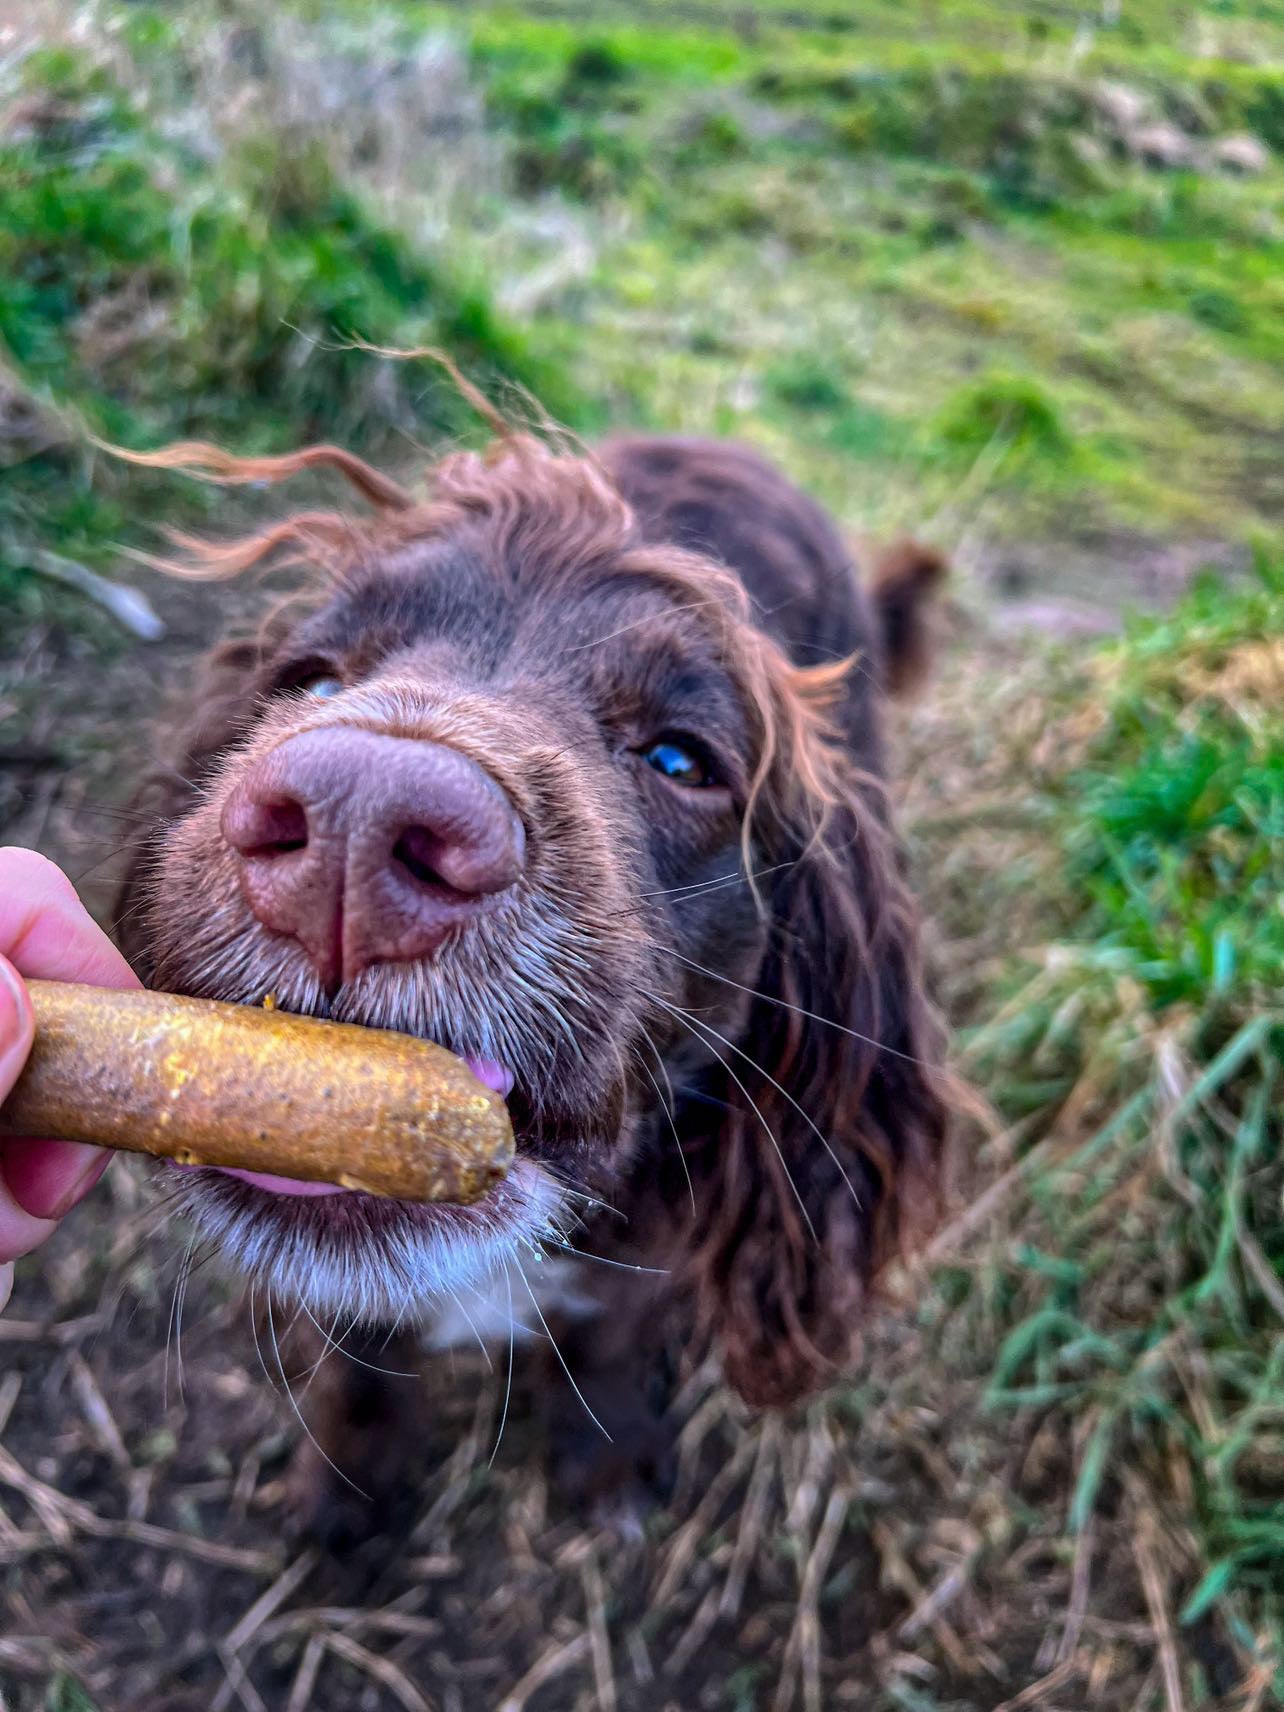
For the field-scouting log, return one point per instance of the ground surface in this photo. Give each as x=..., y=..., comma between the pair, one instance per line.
x=940, y=280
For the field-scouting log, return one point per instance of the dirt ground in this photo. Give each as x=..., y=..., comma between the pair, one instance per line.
x=145, y=1561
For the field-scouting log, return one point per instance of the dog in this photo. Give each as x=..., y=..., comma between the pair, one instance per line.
x=576, y=766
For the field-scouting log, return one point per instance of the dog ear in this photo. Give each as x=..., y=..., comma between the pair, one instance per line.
x=905, y=577
x=831, y=1158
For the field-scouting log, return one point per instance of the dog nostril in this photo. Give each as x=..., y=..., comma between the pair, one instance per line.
x=416, y=850
x=272, y=828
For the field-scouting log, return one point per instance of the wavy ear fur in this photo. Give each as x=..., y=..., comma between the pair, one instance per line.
x=793, y=1234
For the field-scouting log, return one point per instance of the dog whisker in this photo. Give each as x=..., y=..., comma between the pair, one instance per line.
x=113, y=811
x=800, y=1010
x=78, y=879
x=180, y=1302
x=679, y=1015
x=785, y=1094
x=472, y=1326
x=336, y=1346
x=699, y=888
x=638, y=624
x=298, y=1413
x=557, y=1351
x=605, y=1260
x=328, y=1346
x=668, y=1110
x=169, y=1325
x=508, y=1384
x=254, y=1330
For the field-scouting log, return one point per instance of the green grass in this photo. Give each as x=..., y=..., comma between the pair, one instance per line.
x=899, y=212
x=1142, y=1302
x=920, y=218
x=148, y=298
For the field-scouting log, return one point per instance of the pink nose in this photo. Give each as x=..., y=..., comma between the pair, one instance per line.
x=367, y=848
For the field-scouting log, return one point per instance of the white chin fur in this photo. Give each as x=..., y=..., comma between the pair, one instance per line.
x=395, y=1275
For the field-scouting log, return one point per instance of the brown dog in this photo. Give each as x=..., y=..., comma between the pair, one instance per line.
x=576, y=767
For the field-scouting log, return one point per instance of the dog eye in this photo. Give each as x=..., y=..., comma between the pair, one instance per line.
x=321, y=684
x=680, y=761
x=311, y=676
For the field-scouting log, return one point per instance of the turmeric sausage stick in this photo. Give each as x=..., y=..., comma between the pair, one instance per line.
x=218, y=1084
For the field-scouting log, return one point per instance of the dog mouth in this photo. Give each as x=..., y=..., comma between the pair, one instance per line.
x=350, y=1256
x=375, y=1259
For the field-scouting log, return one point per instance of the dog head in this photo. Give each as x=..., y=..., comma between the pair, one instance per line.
x=510, y=777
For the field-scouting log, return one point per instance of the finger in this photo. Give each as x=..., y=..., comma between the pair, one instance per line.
x=19, y=1229
x=48, y=1178
x=17, y=1026
x=43, y=1178
x=47, y=932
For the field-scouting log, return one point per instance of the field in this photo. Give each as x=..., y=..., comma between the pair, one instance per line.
x=1010, y=276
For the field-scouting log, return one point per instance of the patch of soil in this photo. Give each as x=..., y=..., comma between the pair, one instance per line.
x=1083, y=588
x=82, y=711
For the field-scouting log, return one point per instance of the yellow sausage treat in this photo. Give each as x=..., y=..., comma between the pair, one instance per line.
x=220, y=1084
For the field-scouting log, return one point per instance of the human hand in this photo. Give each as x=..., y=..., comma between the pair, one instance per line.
x=45, y=934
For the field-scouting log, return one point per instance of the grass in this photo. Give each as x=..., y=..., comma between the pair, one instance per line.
x=656, y=213
x=901, y=214
x=148, y=298
x=1167, y=1000
x=927, y=273
x=1134, y=1295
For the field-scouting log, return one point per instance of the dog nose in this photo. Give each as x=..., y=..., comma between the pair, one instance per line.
x=367, y=848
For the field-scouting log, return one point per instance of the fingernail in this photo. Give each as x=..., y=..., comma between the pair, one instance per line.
x=47, y=1178
x=81, y=1187
x=12, y=1007
x=6, y=1285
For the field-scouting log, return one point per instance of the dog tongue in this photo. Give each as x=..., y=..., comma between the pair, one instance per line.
x=488, y=1072
x=492, y=1075
x=281, y=1185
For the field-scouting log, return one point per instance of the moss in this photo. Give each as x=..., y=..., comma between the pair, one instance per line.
x=1006, y=408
